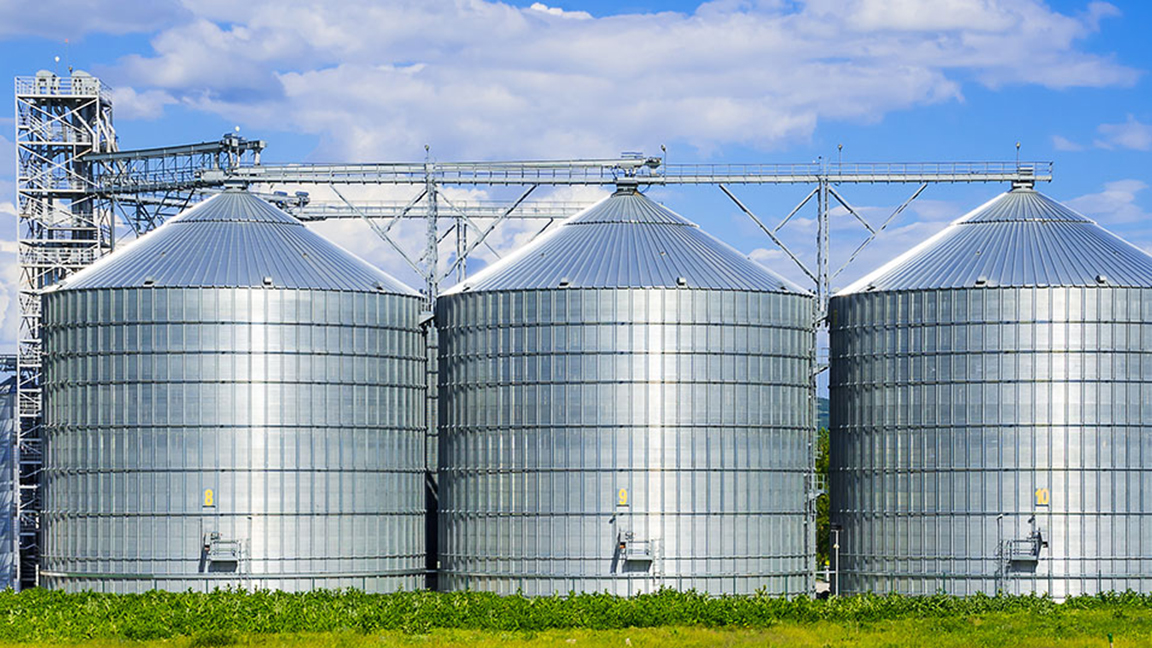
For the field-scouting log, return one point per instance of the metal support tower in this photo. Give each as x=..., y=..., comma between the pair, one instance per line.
x=431, y=269
x=61, y=228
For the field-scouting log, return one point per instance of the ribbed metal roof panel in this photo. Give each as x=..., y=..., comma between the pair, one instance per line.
x=234, y=240
x=1019, y=239
x=627, y=241
x=628, y=206
x=1023, y=205
x=236, y=207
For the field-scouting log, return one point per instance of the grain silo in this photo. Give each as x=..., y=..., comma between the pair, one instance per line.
x=992, y=410
x=9, y=531
x=232, y=400
x=625, y=406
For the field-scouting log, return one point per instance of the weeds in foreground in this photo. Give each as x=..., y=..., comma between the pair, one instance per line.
x=222, y=617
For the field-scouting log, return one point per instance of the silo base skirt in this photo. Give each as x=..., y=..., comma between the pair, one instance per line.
x=129, y=584
x=798, y=584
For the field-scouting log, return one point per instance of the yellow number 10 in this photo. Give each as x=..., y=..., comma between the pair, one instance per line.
x=1043, y=497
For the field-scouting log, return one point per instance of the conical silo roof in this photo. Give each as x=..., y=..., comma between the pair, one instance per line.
x=627, y=241
x=234, y=240
x=1021, y=238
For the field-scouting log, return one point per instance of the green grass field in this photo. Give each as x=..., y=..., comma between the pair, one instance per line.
x=1079, y=629
x=682, y=620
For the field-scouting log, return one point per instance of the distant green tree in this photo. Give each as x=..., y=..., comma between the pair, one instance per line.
x=822, y=443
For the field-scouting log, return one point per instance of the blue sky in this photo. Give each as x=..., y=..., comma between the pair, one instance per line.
x=727, y=81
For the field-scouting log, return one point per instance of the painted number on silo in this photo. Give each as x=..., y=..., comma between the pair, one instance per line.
x=1043, y=497
x=209, y=498
x=622, y=497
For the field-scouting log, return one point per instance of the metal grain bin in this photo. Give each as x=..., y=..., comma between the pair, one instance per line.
x=992, y=410
x=9, y=531
x=626, y=406
x=233, y=401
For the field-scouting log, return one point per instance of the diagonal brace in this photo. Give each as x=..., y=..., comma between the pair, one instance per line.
x=379, y=230
x=541, y=231
x=796, y=209
x=770, y=233
x=488, y=230
x=403, y=212
x=844, y=203
x=443, y=237
x=892, y=217
x=463, y=216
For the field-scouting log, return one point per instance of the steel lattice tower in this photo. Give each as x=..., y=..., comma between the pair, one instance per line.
x=62, y=226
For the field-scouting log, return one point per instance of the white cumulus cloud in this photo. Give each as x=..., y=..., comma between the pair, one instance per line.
x=1130, y=134
x=60, y=19
x=1061, y=143
x=557, y=11
x=485, y=79
x=148, y=104
x=1116, y=204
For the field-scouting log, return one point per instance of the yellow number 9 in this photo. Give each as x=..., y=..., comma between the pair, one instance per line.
x=209, y=497
x=622, y=497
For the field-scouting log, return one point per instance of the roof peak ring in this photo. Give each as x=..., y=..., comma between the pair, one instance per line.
x=627, y=185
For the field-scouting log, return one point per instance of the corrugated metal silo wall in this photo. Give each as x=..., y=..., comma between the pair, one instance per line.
x=301, y=412
x=689, y=406
x=9, y=540
x=953, y=407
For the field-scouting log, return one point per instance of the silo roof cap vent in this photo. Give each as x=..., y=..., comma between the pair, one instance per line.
x=267, y=281
x=982, y=280
x=565, y=282
x=681, y=281
x=149, y=282
x=1102, y=279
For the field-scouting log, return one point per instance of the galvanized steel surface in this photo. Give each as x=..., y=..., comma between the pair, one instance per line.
x=9, y=555
x=199, y=437
x=627, y=241
x=690, y=406
x=234, y=240
x=1020, y=238
x=951, y=408
x=631, y=436
x=300, y=410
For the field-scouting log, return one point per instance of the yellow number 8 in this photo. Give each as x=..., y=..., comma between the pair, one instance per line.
x=209, y=497
x=623, y=497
